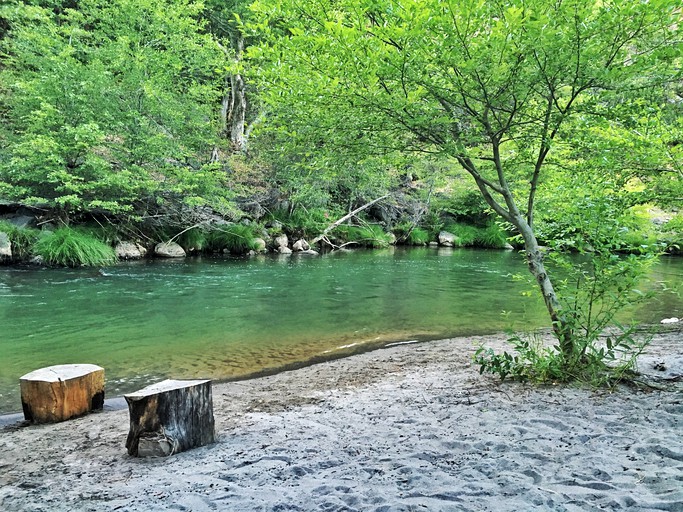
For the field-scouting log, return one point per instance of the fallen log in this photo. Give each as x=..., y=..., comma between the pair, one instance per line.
x=170, y=417
x=60, y=392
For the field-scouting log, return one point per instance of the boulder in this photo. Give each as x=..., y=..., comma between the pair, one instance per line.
x=310, y=252
x=447, y=239
x=259, y=245
x=282, y=241
x=284, y=250
x=5, y=247
x=169, y=250
x=130, y=251
x=300, y=245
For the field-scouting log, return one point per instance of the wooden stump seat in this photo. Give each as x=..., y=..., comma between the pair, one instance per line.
x=170, y=417
x=60, y=392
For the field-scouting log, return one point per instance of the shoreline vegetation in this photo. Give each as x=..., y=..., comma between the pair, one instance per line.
x=33, y=236
x=404, y=427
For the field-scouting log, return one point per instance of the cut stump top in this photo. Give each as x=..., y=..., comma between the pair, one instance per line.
x=61, y=372
x=163, y=386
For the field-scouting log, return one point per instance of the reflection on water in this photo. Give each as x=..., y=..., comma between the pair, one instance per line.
x=217, y=318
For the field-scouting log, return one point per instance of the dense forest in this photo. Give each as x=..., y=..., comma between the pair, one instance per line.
x=222, y=126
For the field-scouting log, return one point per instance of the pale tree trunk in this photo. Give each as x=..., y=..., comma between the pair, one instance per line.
x=234, y=105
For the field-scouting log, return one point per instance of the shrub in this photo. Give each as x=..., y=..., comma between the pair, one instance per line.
x=22, y=239
x=236, y=238
x=73, y=248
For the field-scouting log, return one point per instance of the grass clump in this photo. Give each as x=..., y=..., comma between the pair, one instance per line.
x=410, y=234
x=370, y=235
x=488, y=237
x=237, y=239
x=22, y=239
x=73, y=248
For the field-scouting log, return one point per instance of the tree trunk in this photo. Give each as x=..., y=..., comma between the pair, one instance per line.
x=534, y=257
x=57, y=393
x=170, y=417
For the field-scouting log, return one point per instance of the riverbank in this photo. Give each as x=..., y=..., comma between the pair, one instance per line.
x=410, y=427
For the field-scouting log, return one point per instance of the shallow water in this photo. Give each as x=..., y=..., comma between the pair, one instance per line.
x=227, y=318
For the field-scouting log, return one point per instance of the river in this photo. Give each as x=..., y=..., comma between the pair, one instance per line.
x=228, y=318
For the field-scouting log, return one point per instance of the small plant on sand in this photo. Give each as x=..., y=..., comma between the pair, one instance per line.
x=73, y=248
x=604, y=351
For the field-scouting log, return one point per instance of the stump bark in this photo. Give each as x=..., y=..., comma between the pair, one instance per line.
x=170, y=417
x=57, y=393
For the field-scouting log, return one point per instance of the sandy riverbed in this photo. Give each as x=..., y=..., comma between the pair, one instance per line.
x=407, y=428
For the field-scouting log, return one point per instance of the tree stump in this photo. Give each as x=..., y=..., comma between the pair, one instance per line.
x=57, y=393
x=170, y=417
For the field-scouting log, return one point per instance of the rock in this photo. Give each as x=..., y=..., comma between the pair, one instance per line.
x=21, y=221
x=36, y=260
x=282, y=241
x=309, y=252
x=672, y=320
x=447, y=239
x=130, y=251
x=300, y=245
x=433, y=244
x=275, y=225
x=5, y=247
x=392, y=238
x=169, y=250
x=284, y=250
x=259, y=245
x=508, y=247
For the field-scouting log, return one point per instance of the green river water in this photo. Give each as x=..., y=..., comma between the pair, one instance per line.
x=228, y=318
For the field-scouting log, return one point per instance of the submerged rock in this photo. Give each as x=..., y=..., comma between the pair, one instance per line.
x=169, y=250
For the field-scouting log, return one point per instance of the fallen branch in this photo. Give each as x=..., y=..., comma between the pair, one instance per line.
x=346, y=217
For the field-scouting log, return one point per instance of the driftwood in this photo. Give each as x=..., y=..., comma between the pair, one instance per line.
x=57, y=393
x=345, y=217
x=170, y=417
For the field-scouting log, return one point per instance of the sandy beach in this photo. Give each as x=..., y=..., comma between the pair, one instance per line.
x=406, y=428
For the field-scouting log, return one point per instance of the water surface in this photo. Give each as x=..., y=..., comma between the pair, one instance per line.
x=227, y=318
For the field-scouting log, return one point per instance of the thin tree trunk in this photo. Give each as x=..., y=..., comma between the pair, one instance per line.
x=534, y=257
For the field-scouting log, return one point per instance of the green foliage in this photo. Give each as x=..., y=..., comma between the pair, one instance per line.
x=22, y=239
x=490, y=237
x=367, y=235
x=73, y=248
x=304, y=222
x=672, y=234
x=192, y=240
x=104, y=100
x=410, y=234
x=237, y=239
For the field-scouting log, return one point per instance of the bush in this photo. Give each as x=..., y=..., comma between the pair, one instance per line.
x=22, y=239
x=236, y=238
x=490, y=237
x=73, y=248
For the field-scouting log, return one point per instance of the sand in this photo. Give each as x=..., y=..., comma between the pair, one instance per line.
x=406, y=428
